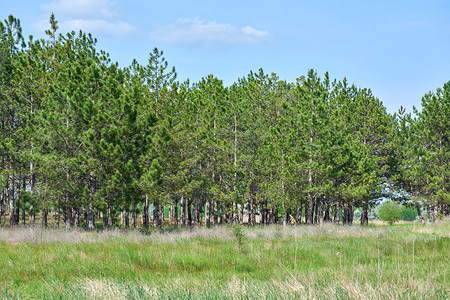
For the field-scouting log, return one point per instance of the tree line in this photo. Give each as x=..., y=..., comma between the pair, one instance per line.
x=84, y=139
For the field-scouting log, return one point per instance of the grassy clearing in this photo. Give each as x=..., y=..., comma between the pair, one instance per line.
x=389, y=262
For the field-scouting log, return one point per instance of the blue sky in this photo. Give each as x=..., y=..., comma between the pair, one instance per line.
x=399, y=49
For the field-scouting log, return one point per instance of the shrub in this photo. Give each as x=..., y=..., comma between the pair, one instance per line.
x=390, y=212
x=409, y=213
x=238, y=233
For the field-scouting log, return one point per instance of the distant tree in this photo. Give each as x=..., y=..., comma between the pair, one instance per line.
x=390, y=212
x=408, y=213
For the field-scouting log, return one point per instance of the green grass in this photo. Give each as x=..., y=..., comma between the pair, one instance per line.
x=387, y=262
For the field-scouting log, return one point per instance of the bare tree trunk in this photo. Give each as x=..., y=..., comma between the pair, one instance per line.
x=351, y=208
x=327, y=217
x=207, y=213
x=223, y=215
x=161, y=214
x=68, y=219
x=336, y=212
x=44, y=217
x=23, y=213
x=194, y=213
x=142, y=213
x=183, y=211
x=10, y=195
x=320, y=207
x=364, y=213
x=309, y=211
x=251, y=208
x=189, y=211
x=32, y=183
x=274, y=214
x=133, y=214
x=419, y=213
x=285, y=214
x=156, y=213
x=90, y=213
x=434, y=212
x=110, y=215
x=298, y=214
x=262, y=213
x=170, y=212
x=345, y=214
x=316, y=211
x=175, y=210
x=76, y=212
x=241, y=214
x=145, y=220
x=214, y=212
x=2, y=207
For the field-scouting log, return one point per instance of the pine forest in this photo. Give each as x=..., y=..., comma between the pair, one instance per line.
x=87, y=143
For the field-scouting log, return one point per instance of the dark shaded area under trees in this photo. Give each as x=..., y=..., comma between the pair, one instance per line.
x=83, y=139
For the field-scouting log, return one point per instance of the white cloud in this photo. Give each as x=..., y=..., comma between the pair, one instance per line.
x=89, y=26
x=94, y=16
x=98, y=26
x=207, y=33
x=104, y=8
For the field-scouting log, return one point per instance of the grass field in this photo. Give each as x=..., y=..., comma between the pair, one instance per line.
x=406, y=261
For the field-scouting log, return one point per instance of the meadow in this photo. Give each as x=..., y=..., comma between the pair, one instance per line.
x=404, y=261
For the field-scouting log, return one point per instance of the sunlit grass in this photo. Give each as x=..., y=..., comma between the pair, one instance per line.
x=391, y=262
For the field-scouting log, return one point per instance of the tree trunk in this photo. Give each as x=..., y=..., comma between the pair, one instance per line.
x=251, y=209
x=2, y=207
x=183, y=211
x=327, y=217
x=316, y=211
x=309, y=211
x=10, y=196
x=44, y=217
x=419, y=213
x=336, y=213
x=365, y=213
x=214, y=212
x=133, y=214
x=320, y=207
x=223, y=214
x=285, y=214
x=434, y=212
x=68, y=219
x=170, y=212
x=175, y=210
x=262, y=213
x=156, y=213
x=241, y=214
x=298, y=214
x=345, y=214
x=90, y=213
x=161, y=214
x=351, y=208
x=76, y=212
x=145, y=218
x=32, y=183
x=110, y=215
x=207, y=213
x=199, y=212
x=194, y=213
x=189, y=211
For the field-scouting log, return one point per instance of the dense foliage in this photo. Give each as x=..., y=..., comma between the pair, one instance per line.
x=82, y=139
x=390, y=212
